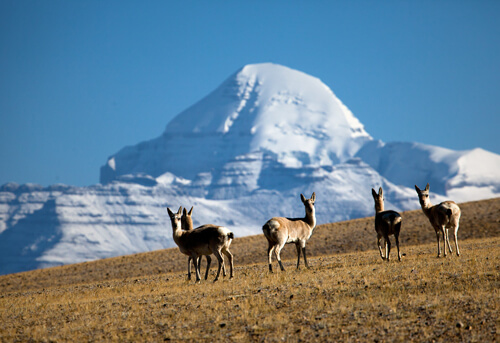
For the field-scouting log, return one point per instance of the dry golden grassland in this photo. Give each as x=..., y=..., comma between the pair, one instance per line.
x=348, y=294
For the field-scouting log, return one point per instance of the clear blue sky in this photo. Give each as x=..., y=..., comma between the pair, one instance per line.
x=79, y=80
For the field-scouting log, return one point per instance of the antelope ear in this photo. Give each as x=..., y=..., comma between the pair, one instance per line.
x=313, y=197
x=191, y=210
x=374, y=194
x=180, y=210
x=427, y=187
x=303, y=198
x=417, y=189
x=170, y=213
x=380, y=192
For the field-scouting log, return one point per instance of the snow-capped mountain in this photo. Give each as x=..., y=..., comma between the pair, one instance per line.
x=461, y=175
x=262, y=111
x=241, y=155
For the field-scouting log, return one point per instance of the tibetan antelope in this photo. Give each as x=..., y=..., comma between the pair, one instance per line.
x=205, y=240
x=442, y=217
x=386, y=223
x=187, y=225
x=280, y=231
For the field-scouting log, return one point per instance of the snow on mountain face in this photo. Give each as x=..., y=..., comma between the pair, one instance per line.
x=285, y=114
x=407, y=164
x=462, y=175
x=50, y=228
x=240, y=156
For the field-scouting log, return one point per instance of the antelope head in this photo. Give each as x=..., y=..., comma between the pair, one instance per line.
x=186, y=220
x=175, y=218
x=423, y=196
x=379, y=199
x=309, y=203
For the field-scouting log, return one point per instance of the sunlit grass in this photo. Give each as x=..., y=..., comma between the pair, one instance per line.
x=349, y=294
x=354, y=296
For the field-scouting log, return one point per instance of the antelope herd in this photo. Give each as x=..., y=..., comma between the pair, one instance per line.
x=211, y=239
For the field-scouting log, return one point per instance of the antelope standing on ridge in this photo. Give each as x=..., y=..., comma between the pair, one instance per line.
x=187, y=225
x=386, y=223
x=442, y=217
x=280, y=231
x=205, y=240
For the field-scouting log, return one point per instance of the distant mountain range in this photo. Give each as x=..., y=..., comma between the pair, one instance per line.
x=241, y=155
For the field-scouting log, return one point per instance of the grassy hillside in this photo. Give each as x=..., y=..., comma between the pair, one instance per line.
x=479, y=219
x=348, y=294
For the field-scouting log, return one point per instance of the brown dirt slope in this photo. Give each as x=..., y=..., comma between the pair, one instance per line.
x=352, y=297
x=348, y=295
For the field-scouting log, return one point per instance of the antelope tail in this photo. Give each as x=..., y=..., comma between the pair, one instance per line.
x=395, y=219
x=449, y=212
x=266, y=228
